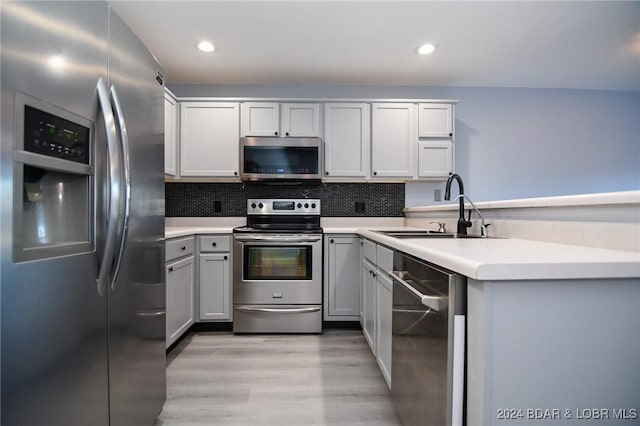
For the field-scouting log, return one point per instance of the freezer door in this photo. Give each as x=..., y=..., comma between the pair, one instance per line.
x=137, y=359
x=54, y=322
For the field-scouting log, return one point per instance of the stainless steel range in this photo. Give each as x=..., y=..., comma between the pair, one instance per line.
x=277, y=268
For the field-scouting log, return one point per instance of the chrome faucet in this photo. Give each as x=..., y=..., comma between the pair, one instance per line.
x=484, y=226
x=462, y=223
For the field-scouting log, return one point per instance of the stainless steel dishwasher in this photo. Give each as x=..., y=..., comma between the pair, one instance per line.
x=428, y=342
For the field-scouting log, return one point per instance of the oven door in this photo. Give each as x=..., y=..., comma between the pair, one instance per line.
x=273, y=269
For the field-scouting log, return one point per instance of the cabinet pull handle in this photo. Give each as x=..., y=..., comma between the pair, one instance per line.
x=171, y=269
x=275, y=133
x=214, y=243
x=326, y=173
x=450, y=134
x=225, y=258
x=183, y=248
x=331, y=241
x=286, y=134
x=361, y=243
x=235, y=173
x=375, y=173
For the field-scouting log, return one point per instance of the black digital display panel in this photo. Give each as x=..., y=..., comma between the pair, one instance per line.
x=53, y=136
x=284, y=205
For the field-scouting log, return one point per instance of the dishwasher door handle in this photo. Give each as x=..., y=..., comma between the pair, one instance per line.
x=437, y=303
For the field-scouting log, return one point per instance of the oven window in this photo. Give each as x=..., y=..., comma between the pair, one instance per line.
x=277, y=263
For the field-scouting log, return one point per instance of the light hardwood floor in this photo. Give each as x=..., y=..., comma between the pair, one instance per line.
x=220, y=379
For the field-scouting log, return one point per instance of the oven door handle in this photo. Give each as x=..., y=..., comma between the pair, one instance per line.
x=278, y=310
x=277, y=239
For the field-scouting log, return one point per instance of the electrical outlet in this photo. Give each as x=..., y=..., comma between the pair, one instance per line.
x=437, y=195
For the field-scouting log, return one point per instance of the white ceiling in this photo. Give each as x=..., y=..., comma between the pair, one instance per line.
x=576, y=44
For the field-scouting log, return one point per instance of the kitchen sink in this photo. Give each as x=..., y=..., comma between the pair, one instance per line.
x=426, y=234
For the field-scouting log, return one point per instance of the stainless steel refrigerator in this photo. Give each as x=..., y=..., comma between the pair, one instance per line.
x=82, y=287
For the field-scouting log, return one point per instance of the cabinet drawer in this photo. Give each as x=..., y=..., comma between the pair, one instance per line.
x=179, y=247
x=384, y=258
x=369, y=250
x=215, y=243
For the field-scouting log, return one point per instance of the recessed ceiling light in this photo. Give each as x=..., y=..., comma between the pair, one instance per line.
x=426, y=49
x=206, y=46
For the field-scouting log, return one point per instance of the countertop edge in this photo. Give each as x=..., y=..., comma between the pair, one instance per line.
x=619, y=265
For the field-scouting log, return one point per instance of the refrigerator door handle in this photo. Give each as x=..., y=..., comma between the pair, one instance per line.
x=126, y=207
x=115, y=185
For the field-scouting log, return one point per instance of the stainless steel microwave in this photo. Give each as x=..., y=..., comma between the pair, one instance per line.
x=280, y=159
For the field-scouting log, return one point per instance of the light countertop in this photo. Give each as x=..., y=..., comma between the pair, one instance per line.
x=486, y=259
x=516, y=259
x=183, y=231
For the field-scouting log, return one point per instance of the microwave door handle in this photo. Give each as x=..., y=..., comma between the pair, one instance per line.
x=114, y=188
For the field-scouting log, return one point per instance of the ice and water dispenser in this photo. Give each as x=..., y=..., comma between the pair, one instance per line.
x=53, y=182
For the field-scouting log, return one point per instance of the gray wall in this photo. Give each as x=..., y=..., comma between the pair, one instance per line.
x=510, y=143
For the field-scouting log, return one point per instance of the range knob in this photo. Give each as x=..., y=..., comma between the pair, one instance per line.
x=261, y=205
x=313, y=205
x=253, y=205
x=299, y=205
x=306, y=205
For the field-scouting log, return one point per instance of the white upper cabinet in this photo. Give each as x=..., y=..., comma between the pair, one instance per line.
x=393, y=140
x=301, y=120
x=435, y=120
x=435, y=159
x=347, y=139
x=170, y=134
x=209, y=135
x=265, y=119
x=260, y=119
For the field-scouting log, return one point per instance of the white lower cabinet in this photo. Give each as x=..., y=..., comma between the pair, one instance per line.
x=384, y=307
x=215, y=299
x=179, y=275
x=369, y=303
x=341, y=278
x=377, y=302
x=215, y=286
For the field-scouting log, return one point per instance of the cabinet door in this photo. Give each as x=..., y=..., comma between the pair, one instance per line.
x=301, y=120
x=215, y=286
x=342, y=278
x=384, y=307
x=393, y=140
x=170, y=134
x=347, y=139
x=260, y=119
x=369, y=303
x=209, y=139
x=180, y=313
x=435, y=120
x=435, y=159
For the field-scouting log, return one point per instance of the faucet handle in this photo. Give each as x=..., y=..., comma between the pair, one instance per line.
x=441, y=226
x=483, y=230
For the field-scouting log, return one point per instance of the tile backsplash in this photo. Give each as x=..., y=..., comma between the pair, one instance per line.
x=338, y=199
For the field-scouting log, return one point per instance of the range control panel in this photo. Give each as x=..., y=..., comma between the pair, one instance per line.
x=283, y=206
x=53, y=136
